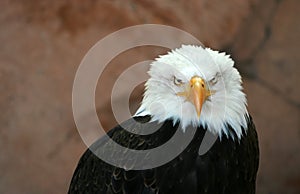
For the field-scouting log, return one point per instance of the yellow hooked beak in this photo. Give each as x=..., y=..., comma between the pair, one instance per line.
x=196, y=92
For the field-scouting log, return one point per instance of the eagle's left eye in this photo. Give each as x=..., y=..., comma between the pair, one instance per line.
x=214, y=80
x=177, y=81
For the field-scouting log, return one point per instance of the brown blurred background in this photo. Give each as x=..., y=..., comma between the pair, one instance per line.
x=43, y=42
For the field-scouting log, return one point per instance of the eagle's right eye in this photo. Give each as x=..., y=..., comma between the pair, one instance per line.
x=177, y=81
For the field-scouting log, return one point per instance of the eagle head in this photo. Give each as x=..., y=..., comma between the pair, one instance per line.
x=196, y=86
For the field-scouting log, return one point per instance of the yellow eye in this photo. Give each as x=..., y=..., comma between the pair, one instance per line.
x=214, y=80
x=177, y=81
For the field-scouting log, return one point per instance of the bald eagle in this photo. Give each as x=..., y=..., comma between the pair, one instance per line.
x=189, y=86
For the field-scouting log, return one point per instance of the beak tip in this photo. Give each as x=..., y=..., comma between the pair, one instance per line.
x=198, y=114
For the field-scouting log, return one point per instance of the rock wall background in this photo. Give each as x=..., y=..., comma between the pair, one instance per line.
x=43, y=42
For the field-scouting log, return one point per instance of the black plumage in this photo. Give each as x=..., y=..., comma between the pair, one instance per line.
x=229, y=167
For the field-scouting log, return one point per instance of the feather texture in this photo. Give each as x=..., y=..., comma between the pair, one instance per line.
x=228, y=167
x=226, y=105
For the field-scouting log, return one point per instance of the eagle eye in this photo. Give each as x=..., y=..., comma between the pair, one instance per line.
x=177, y=81
x=215, y=79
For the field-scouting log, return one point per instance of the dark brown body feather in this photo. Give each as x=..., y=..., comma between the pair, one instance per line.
x=229, y=167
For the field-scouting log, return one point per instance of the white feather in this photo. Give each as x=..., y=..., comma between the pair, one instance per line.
x=226, y=107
